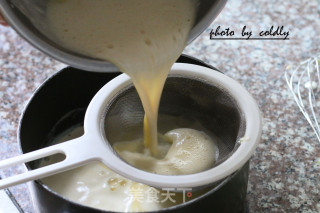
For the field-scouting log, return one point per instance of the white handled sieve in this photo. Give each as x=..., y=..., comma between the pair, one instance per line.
x=222, y=105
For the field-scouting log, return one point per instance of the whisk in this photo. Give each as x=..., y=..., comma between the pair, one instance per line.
x=304, y=84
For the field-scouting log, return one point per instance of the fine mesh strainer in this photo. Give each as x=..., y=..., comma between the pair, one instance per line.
x=196, y=93
x=222, y=106
x=194, y=100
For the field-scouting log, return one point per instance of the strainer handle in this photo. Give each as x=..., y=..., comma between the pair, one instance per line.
x=75, y=152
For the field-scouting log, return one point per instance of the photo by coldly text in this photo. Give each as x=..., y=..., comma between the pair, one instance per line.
x=272, y=33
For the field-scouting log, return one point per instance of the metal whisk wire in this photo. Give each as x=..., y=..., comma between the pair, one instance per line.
x=304, y=84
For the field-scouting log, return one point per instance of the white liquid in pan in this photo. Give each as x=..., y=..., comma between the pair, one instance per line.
x=97, y=186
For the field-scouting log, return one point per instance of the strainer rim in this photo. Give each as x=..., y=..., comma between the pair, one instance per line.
x=245, y=102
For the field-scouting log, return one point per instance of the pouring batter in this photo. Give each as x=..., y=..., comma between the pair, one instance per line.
x=143, y=38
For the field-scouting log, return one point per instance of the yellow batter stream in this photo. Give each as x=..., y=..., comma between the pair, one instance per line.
x=143, y=38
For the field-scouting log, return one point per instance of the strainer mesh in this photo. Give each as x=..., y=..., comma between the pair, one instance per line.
x=193, y=102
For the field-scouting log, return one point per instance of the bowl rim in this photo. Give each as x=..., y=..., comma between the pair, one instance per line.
x=39, y=183
x=82, y=62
